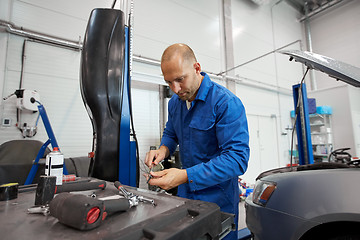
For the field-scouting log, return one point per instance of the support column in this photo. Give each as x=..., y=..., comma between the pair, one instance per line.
x=226, y=28
x=313, y=84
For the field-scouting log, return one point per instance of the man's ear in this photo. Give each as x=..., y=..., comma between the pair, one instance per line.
x=197, y=67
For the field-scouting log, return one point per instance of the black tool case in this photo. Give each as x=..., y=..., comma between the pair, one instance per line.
x=172, y=218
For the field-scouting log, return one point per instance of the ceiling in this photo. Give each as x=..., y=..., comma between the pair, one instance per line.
x=313, y=6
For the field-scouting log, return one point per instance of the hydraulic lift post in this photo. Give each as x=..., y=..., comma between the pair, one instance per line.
x=127, y=150
x=303, y=125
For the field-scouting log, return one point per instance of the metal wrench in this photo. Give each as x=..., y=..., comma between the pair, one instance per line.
x=134, y=199
x=40, y=209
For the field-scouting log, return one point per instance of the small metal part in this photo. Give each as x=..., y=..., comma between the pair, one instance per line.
x=39, y=209
x=144, y=199
x=5, y=98
x=126, y=193
x=92, y=195
x=158, y=167
x=133, y=199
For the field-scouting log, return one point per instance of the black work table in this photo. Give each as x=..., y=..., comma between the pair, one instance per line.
x=172, y=218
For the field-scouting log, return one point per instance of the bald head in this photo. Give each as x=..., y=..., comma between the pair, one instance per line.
x=179, y=50
x=181, y=71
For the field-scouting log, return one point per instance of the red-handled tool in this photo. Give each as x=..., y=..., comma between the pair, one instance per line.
x=82, y=186
x=47, y=188
x=83, y=212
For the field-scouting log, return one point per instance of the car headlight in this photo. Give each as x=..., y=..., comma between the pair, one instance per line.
x=262, y=192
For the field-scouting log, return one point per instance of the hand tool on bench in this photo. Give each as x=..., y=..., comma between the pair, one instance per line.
x=47, y=188
x=83, y=212
x=134, y=199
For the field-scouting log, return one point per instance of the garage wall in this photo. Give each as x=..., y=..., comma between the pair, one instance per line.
x=264, y=85
x=159, y=23
x=336, y=34
x=53, y=72
x=258, y=31
x=345, y=118
x=50, y=70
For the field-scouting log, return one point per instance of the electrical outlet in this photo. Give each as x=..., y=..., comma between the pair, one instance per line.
x=6, y=122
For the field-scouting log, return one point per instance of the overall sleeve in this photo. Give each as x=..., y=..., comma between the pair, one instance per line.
x=233, y=140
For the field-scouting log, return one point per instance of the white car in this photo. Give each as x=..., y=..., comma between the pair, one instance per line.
x=315, y=201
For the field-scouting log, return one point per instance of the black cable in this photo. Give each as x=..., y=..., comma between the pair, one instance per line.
x=20, y=83
x=296, y=114
x=131, y=113
x=22, y=63
x=121, y=105
x=92, y=159
x=340, y=151
x=113, y=5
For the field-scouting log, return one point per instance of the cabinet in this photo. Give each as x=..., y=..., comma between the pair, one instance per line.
x=321, y=136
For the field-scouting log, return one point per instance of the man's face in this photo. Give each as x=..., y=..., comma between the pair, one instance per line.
x=183, y=77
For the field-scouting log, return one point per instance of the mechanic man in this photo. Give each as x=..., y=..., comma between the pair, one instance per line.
x=210, y=126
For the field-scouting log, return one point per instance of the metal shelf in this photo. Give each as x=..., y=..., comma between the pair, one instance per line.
x=317, y=124
x=321, y=133
x=322, y=139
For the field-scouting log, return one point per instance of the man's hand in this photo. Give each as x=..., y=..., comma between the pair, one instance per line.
x=153, y=157
x=169, y=178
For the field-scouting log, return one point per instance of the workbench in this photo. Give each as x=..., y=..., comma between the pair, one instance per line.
x=172, y=218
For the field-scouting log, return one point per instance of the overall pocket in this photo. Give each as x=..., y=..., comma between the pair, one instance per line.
x=203, y=134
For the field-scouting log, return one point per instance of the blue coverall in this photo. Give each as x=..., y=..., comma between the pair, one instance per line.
x=213, y=140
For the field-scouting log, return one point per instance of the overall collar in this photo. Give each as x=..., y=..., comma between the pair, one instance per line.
x=204, y=88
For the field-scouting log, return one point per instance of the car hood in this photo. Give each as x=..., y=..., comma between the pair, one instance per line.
x=307, y=167
x=317, y=195
x=334, y=68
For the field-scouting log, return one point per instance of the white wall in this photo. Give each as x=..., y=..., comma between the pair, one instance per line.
x=345, y=117
x=52, y=71
x=265, y=86
x=336, y=34
x=259, y=30
x=159, y=23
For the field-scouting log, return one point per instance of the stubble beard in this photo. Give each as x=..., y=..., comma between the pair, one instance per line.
x=184, y=97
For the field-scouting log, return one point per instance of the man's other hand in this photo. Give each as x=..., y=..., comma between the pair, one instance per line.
x=168, y=178
x=153, y=157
